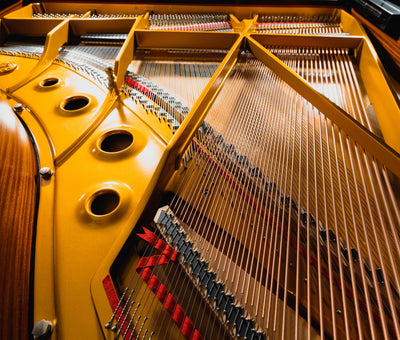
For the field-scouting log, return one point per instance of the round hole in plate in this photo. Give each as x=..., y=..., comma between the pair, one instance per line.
x=75, y=103
x=116, y=141
x=49, y=82
x=104, y=202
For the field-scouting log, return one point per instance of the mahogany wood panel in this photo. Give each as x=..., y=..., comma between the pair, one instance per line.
x=18, y=189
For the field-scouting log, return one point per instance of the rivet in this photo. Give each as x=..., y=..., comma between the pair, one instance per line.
x=339, y=311
x=18, y=108
x=42, y=329
x=46, y=172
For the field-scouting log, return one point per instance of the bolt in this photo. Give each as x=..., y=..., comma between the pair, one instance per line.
x=42, y=329
x=46, y=172
x=18, y=108
x=7, y=67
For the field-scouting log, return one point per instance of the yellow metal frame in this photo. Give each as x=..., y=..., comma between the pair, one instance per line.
x=72, y=244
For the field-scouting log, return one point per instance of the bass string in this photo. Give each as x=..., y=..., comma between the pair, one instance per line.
x=306, y=109
x=307, y=146
x=361, y=107
x=152, y=306
x=234, y=223
x=310, y=77
x=261, y=125
x=254, y=143
x=318, y=66
x=338, y=198
x=126, y=318
x=336, y=216
x=193, y=192
x=326, y=164
x=272, y=149
x=337, y=69
x=334, y=182
x=259, y=145
x=347, y=240
x=291, y=64
x=287, y=118
x=186, y=288
x=380, y=221
x=149, y=312
x=303, y=200
x=275, y=151
x=342, y=208
x=234, y=275
x=369, y=250
x=381, y=244
x=184, y=80
x=210, y=176
x=195, y=189
x=366, y=238
x=307, y=186
x=162, y=319
x=238, y=131
x=293, y=119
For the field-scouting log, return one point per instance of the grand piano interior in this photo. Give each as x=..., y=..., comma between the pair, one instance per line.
x=207, y=171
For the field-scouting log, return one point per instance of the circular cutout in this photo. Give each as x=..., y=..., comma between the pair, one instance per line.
x=75, y=103
x=104, y=202
x=116, y=141
x=48, y=82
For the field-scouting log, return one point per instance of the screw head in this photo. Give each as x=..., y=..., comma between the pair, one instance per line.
x=46, y=172
x=109, y=70
x=42, y=329
x=7, y=67
x=18, y=108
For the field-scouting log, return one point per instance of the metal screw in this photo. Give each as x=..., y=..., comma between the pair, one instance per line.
x=18, y=108
x=7, y=67
x=42, y=329
x=46, y=172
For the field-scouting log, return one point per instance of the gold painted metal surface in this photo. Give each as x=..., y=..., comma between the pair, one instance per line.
x=54, y=40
